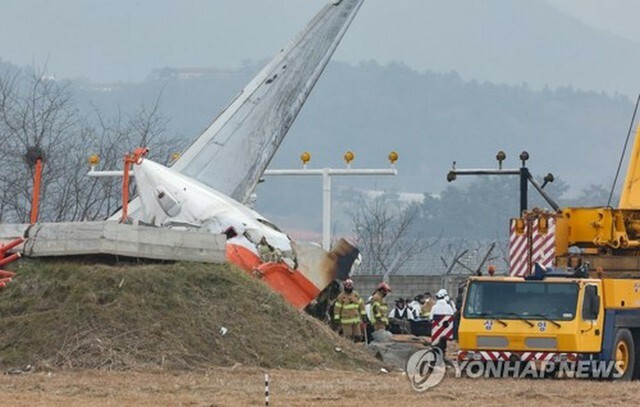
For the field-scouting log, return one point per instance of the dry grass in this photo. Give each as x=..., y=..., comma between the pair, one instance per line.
x=95, y=316
x=149, y=335
x=245, y=387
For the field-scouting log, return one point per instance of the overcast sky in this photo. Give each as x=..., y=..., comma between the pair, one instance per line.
x=121, y=40
x=619, y=17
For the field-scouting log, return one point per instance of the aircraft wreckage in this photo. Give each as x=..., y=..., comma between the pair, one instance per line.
x=207, y=187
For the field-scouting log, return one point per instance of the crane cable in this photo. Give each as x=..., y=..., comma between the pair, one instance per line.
x=624, y=149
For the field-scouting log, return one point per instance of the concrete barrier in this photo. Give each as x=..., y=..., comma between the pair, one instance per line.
x=113, y=238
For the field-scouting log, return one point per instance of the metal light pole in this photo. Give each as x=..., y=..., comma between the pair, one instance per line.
x=326, y=174
x=522, y=172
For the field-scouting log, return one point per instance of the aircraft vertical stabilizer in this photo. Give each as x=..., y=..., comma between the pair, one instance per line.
x=231, y=155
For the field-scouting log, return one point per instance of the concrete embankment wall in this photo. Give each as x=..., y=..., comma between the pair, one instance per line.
x=113, y=238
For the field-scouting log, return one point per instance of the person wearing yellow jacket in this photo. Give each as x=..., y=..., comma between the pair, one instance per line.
x=379, y=308
x=349, y=311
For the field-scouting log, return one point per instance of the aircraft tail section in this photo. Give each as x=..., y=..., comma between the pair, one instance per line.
x=233, y=152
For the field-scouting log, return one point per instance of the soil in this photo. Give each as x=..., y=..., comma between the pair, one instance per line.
x=242, y=386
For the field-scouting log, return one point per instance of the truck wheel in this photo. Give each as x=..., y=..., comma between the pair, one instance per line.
x=624, y=354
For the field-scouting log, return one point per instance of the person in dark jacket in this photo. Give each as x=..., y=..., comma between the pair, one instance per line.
x=401, y=316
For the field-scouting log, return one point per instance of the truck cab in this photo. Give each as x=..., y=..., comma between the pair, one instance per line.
x=551, y=319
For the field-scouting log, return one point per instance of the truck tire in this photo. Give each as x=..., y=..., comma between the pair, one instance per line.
x=624, y=354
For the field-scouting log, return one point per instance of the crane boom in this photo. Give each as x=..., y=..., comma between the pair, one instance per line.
x=630, y=197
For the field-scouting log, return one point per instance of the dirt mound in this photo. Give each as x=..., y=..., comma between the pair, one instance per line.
x=178, y=316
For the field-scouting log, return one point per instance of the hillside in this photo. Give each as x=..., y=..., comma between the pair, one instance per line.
x=501, y=41
x=430, y=119
x=66, y=315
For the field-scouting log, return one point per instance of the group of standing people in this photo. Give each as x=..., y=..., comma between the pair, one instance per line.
x=423, y=307
x=351, y=312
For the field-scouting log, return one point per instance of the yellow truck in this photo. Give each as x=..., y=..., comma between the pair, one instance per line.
x=582, y=305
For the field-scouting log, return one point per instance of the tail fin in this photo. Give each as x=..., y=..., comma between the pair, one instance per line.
x=231, y=155
x=233, y=152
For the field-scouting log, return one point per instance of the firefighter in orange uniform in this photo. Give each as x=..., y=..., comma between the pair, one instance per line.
x=379, y=308
x=349, y=311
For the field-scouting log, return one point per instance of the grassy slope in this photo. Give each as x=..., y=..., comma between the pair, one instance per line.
x=60, y=314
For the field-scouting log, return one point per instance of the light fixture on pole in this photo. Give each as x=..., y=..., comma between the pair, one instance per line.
x=326, y=174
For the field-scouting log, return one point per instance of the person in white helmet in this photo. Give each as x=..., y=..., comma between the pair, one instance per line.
x=443, y=305
x=349, y=311
x=442, y=309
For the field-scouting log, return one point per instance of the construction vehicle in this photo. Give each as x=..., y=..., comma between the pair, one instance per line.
x=573, y=293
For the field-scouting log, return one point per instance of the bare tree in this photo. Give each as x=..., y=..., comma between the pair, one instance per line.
x=111, y=138
x=503, y=255
x=384, y=232
x=452, y=252
x=36, y=112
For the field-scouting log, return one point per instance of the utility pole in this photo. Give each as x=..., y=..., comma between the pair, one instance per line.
x=35, y=157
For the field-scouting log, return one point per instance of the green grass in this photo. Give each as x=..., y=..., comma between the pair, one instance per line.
x=68, y=315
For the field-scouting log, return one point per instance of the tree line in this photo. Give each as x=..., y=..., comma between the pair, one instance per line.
x=45, y=114
x=461, y=221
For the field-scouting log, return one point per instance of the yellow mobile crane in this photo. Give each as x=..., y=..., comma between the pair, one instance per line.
x=586, y=309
